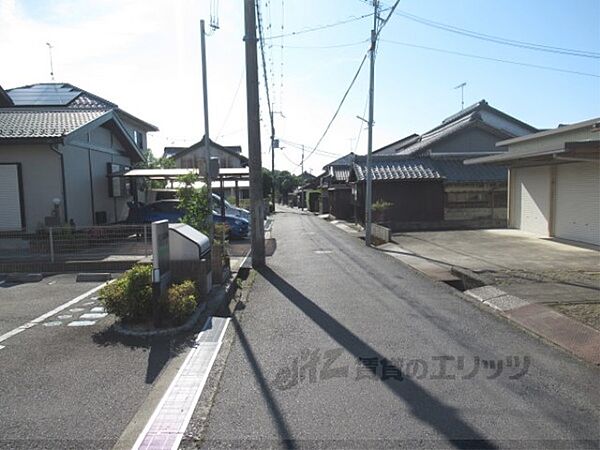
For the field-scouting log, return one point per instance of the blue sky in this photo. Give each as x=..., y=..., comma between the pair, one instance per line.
x=144, y=55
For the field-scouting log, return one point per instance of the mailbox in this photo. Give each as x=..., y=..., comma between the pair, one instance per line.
x=189, y=251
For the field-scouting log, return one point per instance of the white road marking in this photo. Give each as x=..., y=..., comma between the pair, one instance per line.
x=82, y=323
x=93, y=316
x=98, y=309
x=171, y=417
x=76, y=310
x=65, y=316
x=54, y=323
x=1, y=347
x=56, y=310
x=323, y=252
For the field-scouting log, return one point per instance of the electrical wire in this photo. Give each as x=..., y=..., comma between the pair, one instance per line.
x=339, y=107
x=487, y=58
x=264, y=66
x=231, y=105
x=498, y=39
x=323, y=27
x=351, y=44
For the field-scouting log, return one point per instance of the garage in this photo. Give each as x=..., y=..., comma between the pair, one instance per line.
x=532, y=199
x=578, y=202
x=11, y=204
x=554, y=181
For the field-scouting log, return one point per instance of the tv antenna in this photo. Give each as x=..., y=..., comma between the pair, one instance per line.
x=214, y=15
x=50, y=47
x=462, y=94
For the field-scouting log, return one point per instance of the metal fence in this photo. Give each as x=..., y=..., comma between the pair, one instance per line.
x=81, y=243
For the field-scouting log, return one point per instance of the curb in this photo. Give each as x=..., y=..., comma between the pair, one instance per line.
x=222, y=294
x=17, y=277
x=570, y=335
x=92, y=277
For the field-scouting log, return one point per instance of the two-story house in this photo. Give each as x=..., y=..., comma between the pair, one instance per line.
x=60, y=149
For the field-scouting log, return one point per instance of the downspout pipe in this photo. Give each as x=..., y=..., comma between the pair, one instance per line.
x=54, y=148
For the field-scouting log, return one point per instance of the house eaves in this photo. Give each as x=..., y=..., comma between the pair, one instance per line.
x=563, y=129
x=577, y=150
x=112, y=121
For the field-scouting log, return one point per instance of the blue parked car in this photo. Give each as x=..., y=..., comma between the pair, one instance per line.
x=168, y=210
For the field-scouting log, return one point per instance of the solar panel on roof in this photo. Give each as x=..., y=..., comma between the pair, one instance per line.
x=54, y=97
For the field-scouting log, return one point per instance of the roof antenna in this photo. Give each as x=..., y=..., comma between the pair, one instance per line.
x=214, y=15
x=462, y=94
x=51, y=66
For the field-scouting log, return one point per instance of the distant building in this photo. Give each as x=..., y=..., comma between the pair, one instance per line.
x=425, y=180
x=554, y=181
x=61, y=151
x=194, y=156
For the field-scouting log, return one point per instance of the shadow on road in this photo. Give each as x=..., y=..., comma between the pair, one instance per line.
x=274, y=409
x=422, y=404
x=160, y=348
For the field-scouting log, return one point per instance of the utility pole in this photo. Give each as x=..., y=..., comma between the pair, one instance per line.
x=302, y=180
x=211, y=232
x=273, y=169
x=254, y=153
x=369, y=180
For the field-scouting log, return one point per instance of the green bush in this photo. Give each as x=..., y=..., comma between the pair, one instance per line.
x=181, y=301
x=130, y=297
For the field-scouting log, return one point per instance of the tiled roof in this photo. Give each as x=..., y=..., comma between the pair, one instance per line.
x=85, y=101
x=388, y=169
x=345, y=160
x=341, y=174
x=398, y=167
x=23, y=123
x=439, y=133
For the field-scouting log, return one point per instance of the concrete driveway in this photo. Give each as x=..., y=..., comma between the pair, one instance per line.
x=540, y=270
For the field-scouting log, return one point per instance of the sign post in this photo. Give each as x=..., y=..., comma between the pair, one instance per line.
x=161, y=271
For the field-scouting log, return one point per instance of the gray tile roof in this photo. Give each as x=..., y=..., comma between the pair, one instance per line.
x=341, y=173
x=28, y=123
x=439, y=133
x=396, y=167
x=345, y=160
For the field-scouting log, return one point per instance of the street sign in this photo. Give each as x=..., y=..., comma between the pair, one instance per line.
x=161, y=273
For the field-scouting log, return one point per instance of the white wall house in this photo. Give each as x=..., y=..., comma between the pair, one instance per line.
x=554, y=181
x=59, y=147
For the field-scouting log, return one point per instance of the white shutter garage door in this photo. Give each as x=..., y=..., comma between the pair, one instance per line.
x=578, y=202
x=10, y=201
x=532, y=199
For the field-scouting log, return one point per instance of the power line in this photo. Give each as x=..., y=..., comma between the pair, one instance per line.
x=498, y=39
x=350, y=44
x=264, y=66
x=299, y=146
x=231, y=105
x=323, y=27
x=339, y=107
x=487, y=58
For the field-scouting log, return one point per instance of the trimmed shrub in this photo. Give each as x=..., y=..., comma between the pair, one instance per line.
x=181, y=301
x=130, y=297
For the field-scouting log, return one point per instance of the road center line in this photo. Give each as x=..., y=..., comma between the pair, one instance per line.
x=43, y=317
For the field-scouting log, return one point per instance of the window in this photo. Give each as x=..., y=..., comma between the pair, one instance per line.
x=138, y=138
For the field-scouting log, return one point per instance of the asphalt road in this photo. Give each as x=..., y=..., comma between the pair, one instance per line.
x=315, y=355
x=75, y=387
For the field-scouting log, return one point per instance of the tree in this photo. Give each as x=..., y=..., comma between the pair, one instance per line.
x=152, y=162
x=194, y=203
x=267, y=182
